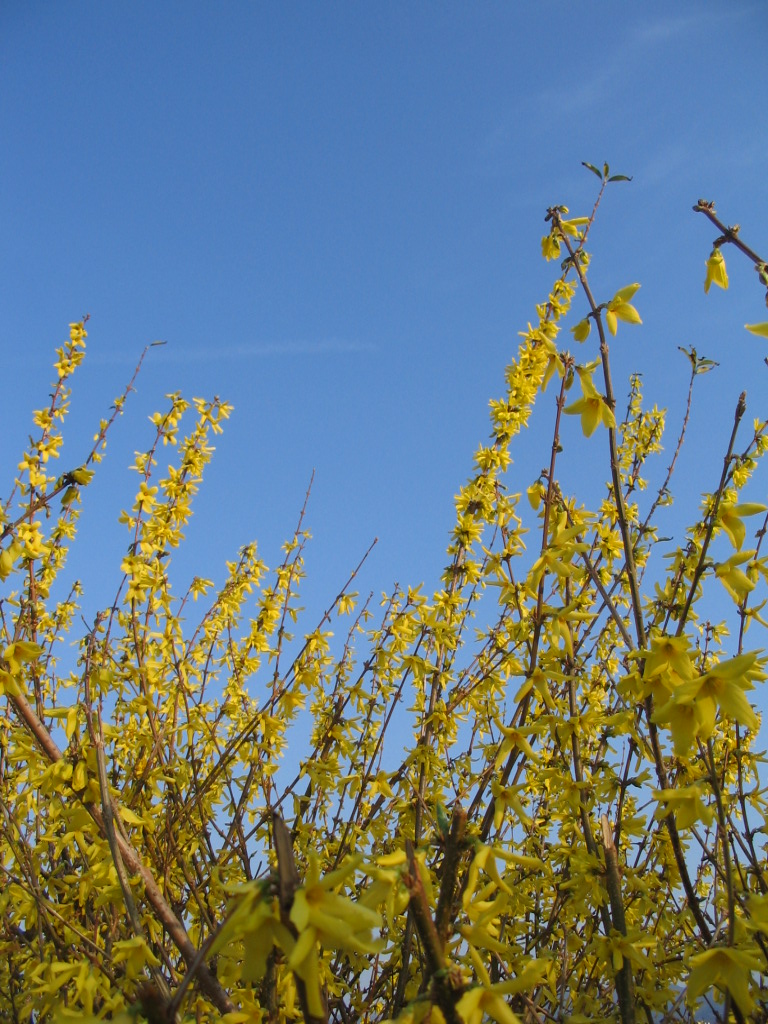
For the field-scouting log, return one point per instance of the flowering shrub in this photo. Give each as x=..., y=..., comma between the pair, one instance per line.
x=576, y=829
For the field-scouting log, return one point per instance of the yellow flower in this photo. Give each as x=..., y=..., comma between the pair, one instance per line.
x=581, y=330
x=692, y=708
x=668, y=652
x=683, y=722
x=758, y=914
x=729, y=969
x=550, y=247
x=615, y=948
x=489, y=1000
x=482, y=1001
x=591, y=406
x=571, y=227
x=734, y=579
x=716, y=272
x=135, y=954
x=667, y=664
x=620, y=308
x=321, y=915
x=14, y=656
x=724, y=685
x=730, y=519
x=687, y=804
x=254, y=921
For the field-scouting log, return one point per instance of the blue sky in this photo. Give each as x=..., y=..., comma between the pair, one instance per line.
x=332, y=213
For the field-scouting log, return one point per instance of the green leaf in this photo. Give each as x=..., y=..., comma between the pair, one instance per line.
x=761, y=330
x=443, y=824
x=619, y=177
x=591, y=167
x=705, y=365
x=700, y=364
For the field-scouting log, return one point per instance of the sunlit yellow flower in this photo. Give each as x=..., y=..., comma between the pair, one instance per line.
x=550, y=247
x=254, y=921
x=487, y=999
x=724, y=684
x=620, y=308
x=582, y=329
x=14, y=656
x=687, y=803
x=135, y=954
x=321, y=915
x=758, y=914
x=716, y=272
x=692, y=709
x=730, y=519
x=591, y=406
x=729, y=969
x=482, y=1001
x=616, y=948
x=734, y=579
x=668, y=652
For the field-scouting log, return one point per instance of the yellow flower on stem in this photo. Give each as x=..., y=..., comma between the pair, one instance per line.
x=667, y=664
x=485, y=1000
x=716, y=272
x=734, y=579
x=323, y=916
x=684, y=721
x=687, y=803
x=591, y=406
x=668, y=652
x=489, y=1000
x=616, y=947
x=254, y=921
x=550, y=246
x=731, y=517
x=20, y=652
x=582, y=329
x=14, y=656
x=620, y=308
x=724, y=685
x=692, y=709
x=758, y=914
x=727, y=968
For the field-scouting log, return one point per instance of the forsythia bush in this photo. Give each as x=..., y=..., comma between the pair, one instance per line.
x=574, y=828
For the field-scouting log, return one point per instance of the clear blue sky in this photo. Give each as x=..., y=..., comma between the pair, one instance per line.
x=332, y=212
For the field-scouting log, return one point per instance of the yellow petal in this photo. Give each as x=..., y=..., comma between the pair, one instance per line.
x=582, y=329
x=716, y=272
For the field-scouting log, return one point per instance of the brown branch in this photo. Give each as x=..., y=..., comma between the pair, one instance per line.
x=445, y=995
x=288, y=882
x=624, y=982
x=730, y=235
x=454, y=846
x=741, y=408
x=610, y=401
